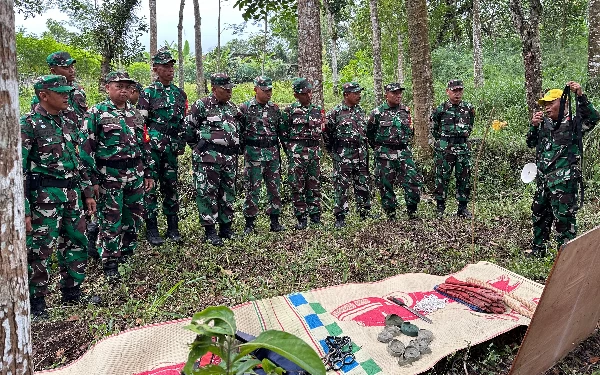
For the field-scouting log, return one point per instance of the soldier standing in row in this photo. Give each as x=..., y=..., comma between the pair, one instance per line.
x=259, y=122
x=55, y=180
x=452, y=123
x=118, y=157
x=212, y=131
x=164, y=106
x=345, y=137
x=390, y=131
x=300, y=134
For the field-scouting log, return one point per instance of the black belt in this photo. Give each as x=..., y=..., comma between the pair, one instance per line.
x=208, y=146
x=393, y=146
x=262, y=143
x=68, y=183
x=119, y=164
x=348, y=143
x=165, y=129
x=307, y=142
x=455, y=140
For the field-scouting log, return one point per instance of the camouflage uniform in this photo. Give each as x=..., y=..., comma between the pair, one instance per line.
x=164, y=108
x=558, y=158
x=345, y=137
x=258, y=132
x=118, y=157
x=390, y=131
x=300, y=134
x=212, y=130
x=54, y=181
x=451, y=127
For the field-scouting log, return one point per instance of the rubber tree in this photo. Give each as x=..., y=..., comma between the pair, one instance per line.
x=200, y=88
x=593, y=66
x=376, y=43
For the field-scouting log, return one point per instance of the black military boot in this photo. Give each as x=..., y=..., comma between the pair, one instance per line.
x=535, y=252
x=38, y=308
x=225, y=231
x=211, y=236
x=92, y=235
x=249, y=227
x=411, y=210
x=315, y=219
x=302, y=224
x=463, y=211
x=340, y=221
x=441, y=207
x=152, y=234
x=111, y=269
x=275, y=226
x=71, y=295
x=173, y=228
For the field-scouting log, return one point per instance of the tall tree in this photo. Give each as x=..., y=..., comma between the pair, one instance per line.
x=153, y=28
x=310, y=59
x=376, y=42
x=400, y=67
x=594, y=47
x=198, y=47
x=180, y=45
x=15, y=331
x=219, y=65
x=420, y=59
x=529, y=33
x=477, y=51
x=333, y=10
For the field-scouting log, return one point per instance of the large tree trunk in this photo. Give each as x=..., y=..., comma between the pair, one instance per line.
x=377, y=76
x=309, y=46
x=400, y=68
x=477, y=51
x=219, y=38
x=200, y=88
x=153, y=29
x=180, y=45
x=593, y=87
x=528, y=29
x=333, y=35
x=420, y=61
x=104, y=70
x=15, y=331
x=264, y=56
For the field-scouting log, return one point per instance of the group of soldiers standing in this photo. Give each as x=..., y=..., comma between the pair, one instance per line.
x=112, y=160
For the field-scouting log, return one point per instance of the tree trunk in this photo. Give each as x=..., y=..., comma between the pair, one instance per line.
x=309, y=46
x=104, y=70
x=200, y=88
x=400, y=69
x=477, y=51
x=15, y=330
x=593, y=87
x=528, y=29
x=332, y=31
x=377, y=76
x=180, y=45
x=153, y=28
x=219, y=38
x=422, y=79
x=264, y=57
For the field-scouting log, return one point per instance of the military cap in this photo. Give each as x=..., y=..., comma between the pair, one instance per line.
x=301, y=86
x=221, y=79
x=454, y=84
x=52, y=82
x=118, y=77
x=263, y=82
x=351, y=87
x=60, y=58
x=394, y=86
x=163, y=56
x=550, y=96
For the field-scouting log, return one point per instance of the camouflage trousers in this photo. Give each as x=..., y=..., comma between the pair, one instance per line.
x=120, y=215
x=305, y=185
x=215, y=192
x=348, y=172
x=398, y=171
x=165, y=180
x=254, y=173
x=60, y=225
x=444, y=163
x=558, y=205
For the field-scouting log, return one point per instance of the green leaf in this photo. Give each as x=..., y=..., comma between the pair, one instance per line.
x=270, y=367
x=245, y=365
x=222, y=318
x=210, y=370
x=289, y=346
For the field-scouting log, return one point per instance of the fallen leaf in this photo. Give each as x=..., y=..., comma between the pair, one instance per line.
x=139, y=321
x=60, y=352
x=593, y=360
x=73, y=318
x=227, y=272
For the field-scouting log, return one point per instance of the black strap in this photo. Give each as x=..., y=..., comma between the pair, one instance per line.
x=119, y=164
x=68, y=183
x=226, y=150
x=348, y=143
x=307, y=142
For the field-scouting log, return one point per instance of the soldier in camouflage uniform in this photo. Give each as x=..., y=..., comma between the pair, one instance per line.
x=55, y=180
x=300, y=133
x=558, y=156
x=164, y=105
x=259, y=122
x=118, y=158
x=390, y=131
x=136, y=89
x=212, y=131
x=345, y=138
x=452, y=123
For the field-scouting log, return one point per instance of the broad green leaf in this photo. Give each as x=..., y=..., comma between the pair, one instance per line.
x=245, y=366
x=270, y=367
x=221, y=316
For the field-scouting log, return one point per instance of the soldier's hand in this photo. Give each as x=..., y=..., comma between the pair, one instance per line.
x=91, y=205
x=96, y=189
x=148, y=184
x=575, y=87
x=537, y=118
x=28, y=226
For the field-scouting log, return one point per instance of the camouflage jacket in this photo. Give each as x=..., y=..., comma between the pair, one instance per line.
x=259, y=126
x=49, y=147
x=557, y=150
x=451, y=125
x=116, y=135
x=77, y=104
x=345, y=134
x=389, y=130
x=212, y=123
x=164, y=109
x=301, y=126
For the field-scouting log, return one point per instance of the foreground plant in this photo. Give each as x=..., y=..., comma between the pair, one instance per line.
x=215, y=328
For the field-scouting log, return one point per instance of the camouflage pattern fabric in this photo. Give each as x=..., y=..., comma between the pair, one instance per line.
x=451, y=126
x=558, y=159
x=50, y=151
x=212, y=132
x=345, y=137
x=300, y=132
x=164, y=109
x=117, y=136
x=258, y=132
x=389, y=130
